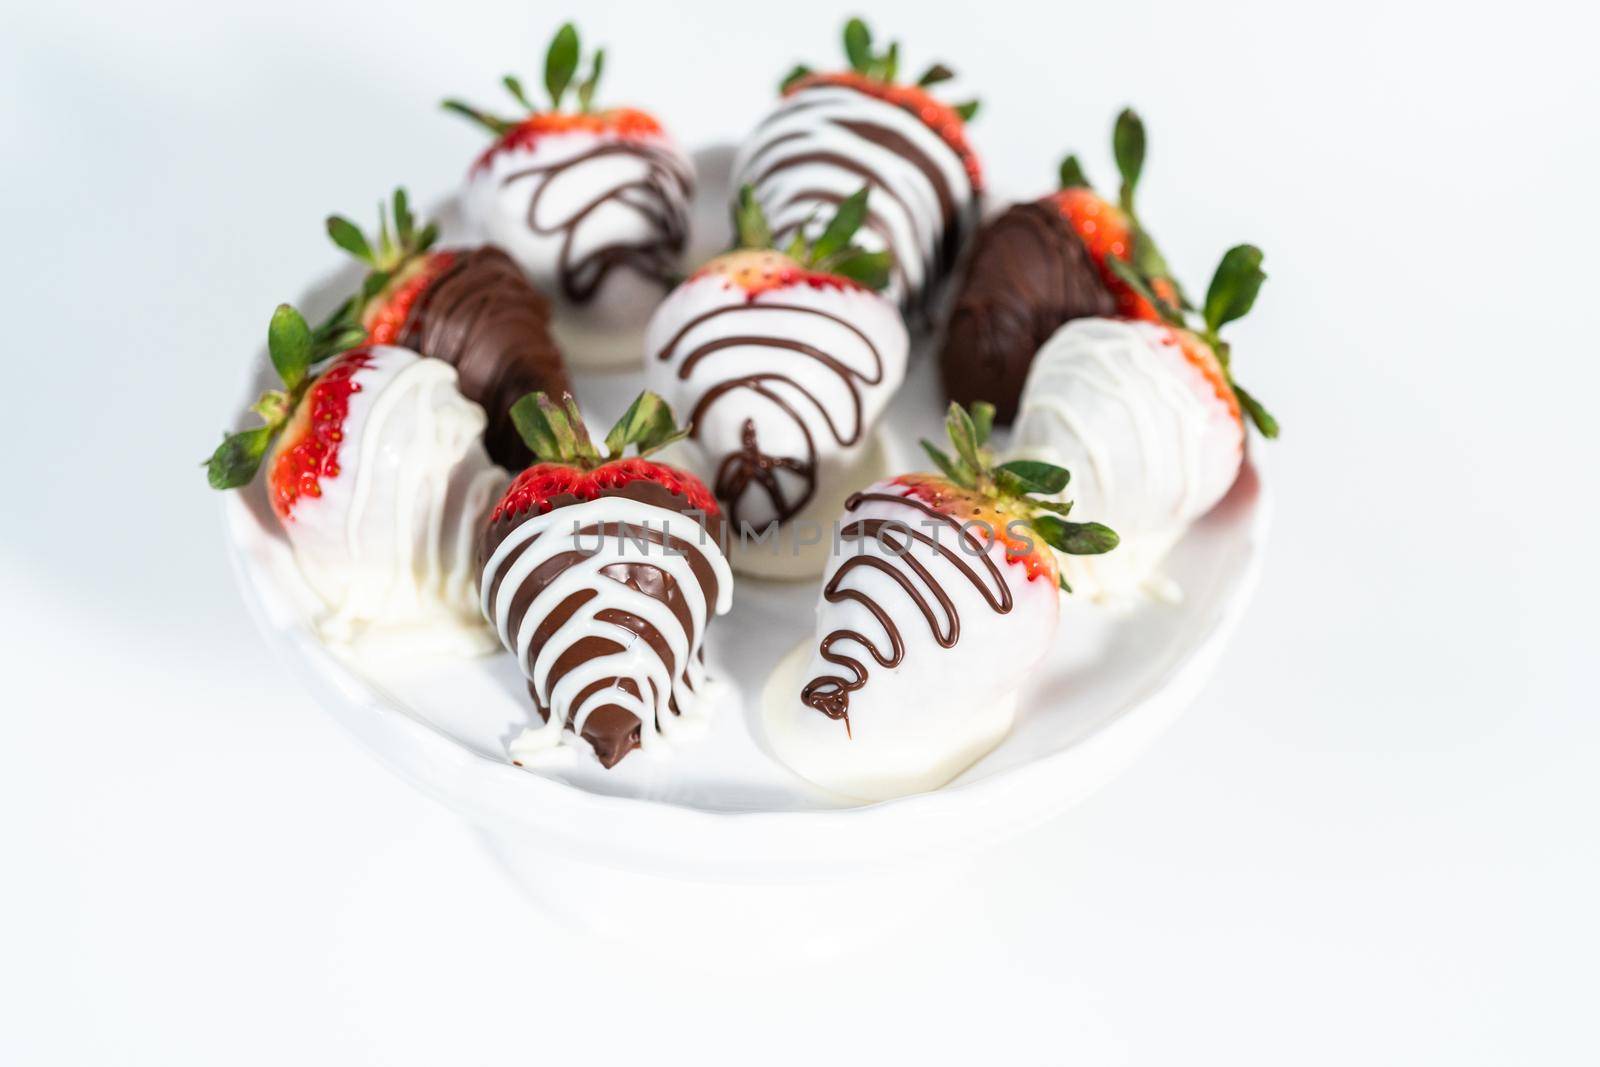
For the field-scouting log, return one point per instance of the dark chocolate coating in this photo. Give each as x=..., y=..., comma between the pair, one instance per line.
x=611, y=729
x=1028, y=273
x=484, y=318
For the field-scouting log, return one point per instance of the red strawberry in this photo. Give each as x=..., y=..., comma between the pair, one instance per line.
x=1000, y=500
x=472, y=308
x=1111, y=231
x=874, y=74
x=570, y=469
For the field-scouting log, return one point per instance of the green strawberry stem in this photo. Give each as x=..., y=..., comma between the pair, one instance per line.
x=832, y=252
x=556, y=433
x=295, y=350
x=1016, y=484
x=562, y=60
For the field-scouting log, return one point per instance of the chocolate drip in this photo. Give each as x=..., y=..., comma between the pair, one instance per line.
x=482, y=317
x=611, y=729
x=1029, y=272
x=738, y=470
x=659, y=198
x=830, y=694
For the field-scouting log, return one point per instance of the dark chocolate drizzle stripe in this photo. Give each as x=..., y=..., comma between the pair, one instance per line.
x=611, y=729
x=660, y=198
x=483, y=318
x=950, y=216
x=830, y=694
x=736, y=471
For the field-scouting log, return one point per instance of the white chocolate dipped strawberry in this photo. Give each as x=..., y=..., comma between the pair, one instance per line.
x=592, y=203
x=600, y=574
x=783, y=363
x=377, y=471
x=1148, y=416
x=833, y=131
x=941, y=596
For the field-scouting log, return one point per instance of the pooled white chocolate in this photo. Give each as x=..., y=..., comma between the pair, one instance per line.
x=389, y=544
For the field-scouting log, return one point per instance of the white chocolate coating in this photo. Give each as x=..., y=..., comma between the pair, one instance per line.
x=814, y=150
x=1149, y=445
x=783, y=389
x=597, y=222
x=389, y=545
x=591, y=528
x=916, y=723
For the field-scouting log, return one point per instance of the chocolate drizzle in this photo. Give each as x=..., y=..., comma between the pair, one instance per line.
x=830, y=694
x=737, y=471
x=942, y=211
x=612, y=728
x=659, y=198
x=482, y=317
x=1029, y=272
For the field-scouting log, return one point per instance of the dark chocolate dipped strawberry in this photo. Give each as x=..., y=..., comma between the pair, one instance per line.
x=591, y=202
x=470, y=307
x=834, y=131
x=600, y=573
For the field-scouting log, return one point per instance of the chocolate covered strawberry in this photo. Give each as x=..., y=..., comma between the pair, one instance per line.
x=470, y=307
x=591, y=202
x=834, y=131
x=1042, y=263
x=784, y=361
x=600, y=573
x=940, y=599
x=1150, y=416
x=376, y=469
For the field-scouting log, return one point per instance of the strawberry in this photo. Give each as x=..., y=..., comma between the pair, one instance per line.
x=1000, y=499
x=308, y=411
x=829, y=262
x=471, y=308
x=874, y=75
x=600, y=573
x=1111, y=231
x=561, y=66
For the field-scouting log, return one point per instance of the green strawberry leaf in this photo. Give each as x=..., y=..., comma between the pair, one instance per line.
x=870, y=269
x=586, y=90
x=561, y=63
x=528, y=416
x=405, y=224
x=582, y=447
x=891, y=63
x=237, y=459
x=800, y=71
x=348, y=236
x=289, y=345
x=1075, y=538
x=1058, y=507
x=968, y=110
x=1258, y=414
x=858, y=45
x=952, y=469
x=513, y=86
x=497, y=126
x=935, y=74
x=963, y=436
x=1072, y=176
x=982, y=421
x=1233, y=287
x=749, y=221
x=1037, y=476
x=1136, y=281
x=843, y=226
x=1127, y=144
x=648, y=424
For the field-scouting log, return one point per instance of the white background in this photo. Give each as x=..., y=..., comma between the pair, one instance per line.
x=1372, y=840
